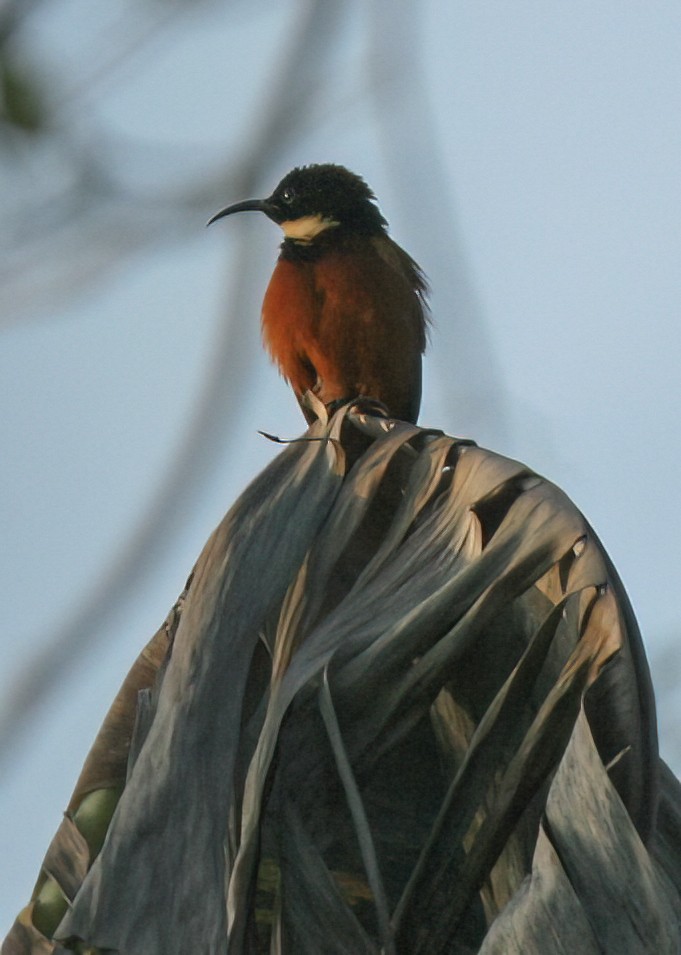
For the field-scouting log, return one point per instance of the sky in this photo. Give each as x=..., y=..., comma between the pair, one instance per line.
x=525, y=154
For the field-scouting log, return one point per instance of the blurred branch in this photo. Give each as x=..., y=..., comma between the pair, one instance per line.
x=84, y=240
x=131, y=35
x=69, y=214
x=12, y=13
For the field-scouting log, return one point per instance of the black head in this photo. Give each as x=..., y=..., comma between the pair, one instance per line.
x=328, y=194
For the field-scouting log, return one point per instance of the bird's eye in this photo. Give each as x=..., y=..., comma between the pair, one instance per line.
x=288, y=195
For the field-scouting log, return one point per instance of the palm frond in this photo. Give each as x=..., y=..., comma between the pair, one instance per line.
x=404, y=709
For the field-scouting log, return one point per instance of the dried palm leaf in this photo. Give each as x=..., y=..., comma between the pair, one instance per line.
x=405, y=709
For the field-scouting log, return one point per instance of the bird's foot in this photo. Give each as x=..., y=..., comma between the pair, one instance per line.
x=361, y=405
x=364, y=407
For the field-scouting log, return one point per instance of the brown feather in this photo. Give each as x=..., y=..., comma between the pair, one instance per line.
x=349, y=322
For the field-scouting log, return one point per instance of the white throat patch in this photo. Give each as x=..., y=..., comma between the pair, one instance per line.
x=306, y=228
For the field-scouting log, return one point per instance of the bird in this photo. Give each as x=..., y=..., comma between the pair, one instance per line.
x=345, y=314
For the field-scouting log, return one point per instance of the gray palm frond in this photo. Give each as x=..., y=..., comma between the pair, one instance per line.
x=402, y=707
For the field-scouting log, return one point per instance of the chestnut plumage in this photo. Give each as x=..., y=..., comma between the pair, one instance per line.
x=344, y=314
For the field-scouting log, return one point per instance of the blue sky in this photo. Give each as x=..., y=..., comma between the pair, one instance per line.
x=526, y=154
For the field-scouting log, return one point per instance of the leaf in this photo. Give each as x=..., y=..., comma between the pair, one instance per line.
x=372, y=687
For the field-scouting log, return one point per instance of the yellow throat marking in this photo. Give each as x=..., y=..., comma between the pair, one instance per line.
x=306, y=228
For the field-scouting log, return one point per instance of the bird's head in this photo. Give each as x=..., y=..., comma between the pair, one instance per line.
x=311, y=199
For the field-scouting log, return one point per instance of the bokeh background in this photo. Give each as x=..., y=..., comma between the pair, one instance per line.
x=527, y=154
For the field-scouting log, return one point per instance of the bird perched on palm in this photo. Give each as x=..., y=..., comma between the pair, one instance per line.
x=344, y=315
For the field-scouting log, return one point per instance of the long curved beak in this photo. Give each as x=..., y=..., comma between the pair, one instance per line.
x=248, y=205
